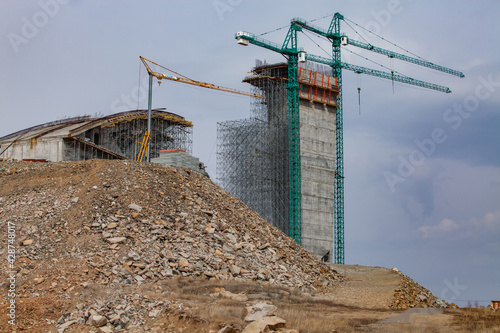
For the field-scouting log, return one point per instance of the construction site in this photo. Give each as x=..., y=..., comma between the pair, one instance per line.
x=252, y=159
x=111, y=224
x=285, y=161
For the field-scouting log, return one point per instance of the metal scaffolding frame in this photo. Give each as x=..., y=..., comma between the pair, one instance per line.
x=252, y=154
x=119, y=136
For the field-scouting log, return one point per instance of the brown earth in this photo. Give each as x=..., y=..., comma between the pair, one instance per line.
x=149, y=248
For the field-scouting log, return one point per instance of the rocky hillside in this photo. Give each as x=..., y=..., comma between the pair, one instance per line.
x=121, y=223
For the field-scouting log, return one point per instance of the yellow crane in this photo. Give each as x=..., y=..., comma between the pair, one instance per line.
x=184, y=79
x=146, y=143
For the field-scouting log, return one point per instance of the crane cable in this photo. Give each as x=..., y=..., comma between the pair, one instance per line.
x=179, y=74
x=268, y=32
x=388, y=41
x=286, y=26
x=359, y=80
x=376, y=63
x=316, y=43
x=320, y=18
x=360, y=35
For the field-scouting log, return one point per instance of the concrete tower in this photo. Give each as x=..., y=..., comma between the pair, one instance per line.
x=253, y=153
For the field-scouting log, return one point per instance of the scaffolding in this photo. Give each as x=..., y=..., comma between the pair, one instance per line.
x=252, y=154
x=117, y=136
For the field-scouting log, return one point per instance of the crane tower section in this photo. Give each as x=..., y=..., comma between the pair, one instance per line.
x=253, y=154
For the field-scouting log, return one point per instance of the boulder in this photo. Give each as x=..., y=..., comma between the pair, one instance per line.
x=265, y=324
x=259, y=311
x=97, y=321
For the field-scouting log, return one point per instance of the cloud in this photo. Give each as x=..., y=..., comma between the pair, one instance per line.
x=445, y=226
x=476, y=228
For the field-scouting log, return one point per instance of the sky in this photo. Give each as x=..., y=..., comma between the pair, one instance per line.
x=422, y=168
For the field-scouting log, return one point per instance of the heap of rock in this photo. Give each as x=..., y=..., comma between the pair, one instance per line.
x=410, y=294
x=122, y=309
x=120, y=223
x=144, y=222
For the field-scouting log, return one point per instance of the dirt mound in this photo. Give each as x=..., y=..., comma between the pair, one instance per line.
x=81, y=226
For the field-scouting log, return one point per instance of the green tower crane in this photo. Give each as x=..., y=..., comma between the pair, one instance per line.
x=338, y=40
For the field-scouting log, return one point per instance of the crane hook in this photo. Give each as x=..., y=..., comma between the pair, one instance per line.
x=359, y=94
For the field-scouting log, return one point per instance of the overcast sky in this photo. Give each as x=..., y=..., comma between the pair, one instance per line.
x=422, y=167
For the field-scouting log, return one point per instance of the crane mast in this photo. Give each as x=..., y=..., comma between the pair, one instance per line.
x=294, y=55
x=338, y=209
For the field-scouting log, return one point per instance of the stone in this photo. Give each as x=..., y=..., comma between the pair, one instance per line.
x=227, y=329
x=259, y=311
x=265, y=325
x=115, y=319
x=234, y=297
x=61, y=328
x=235, y=270
x=134, y=255
x=263, y=247
x=135, y=207
x=116, y=240
x=183, y=263
x=232, y=238
x=97, y=321
x=106, y=329
x=185, y=255
x=208, y=212
x=112, y=225
x=154, y=313
x=75, y=200
x=27, y=242
x=106, y=234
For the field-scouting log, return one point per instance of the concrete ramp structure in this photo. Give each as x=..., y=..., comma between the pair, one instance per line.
x=116, y=136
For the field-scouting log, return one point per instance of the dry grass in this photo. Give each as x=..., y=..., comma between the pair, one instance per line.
x=305, y=313
x=309, y=320
x=476, y=320
x=187, y=286
x=302, y=312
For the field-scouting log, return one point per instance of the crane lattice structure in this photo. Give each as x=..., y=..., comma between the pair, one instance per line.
x=290, y=50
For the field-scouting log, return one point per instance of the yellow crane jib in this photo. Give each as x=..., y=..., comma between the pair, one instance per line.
x=184, y=79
